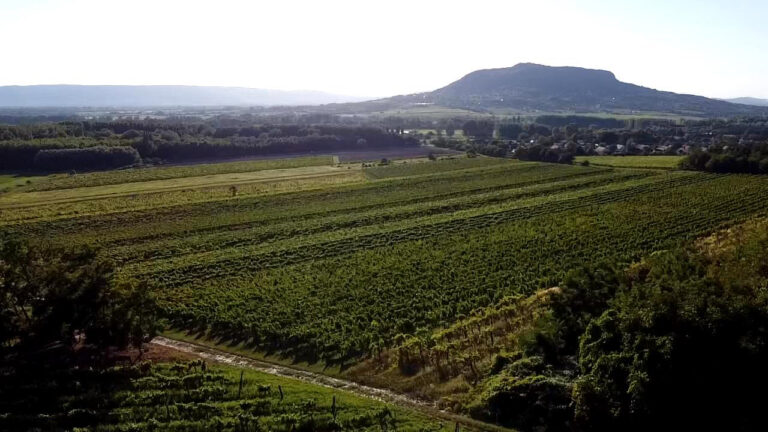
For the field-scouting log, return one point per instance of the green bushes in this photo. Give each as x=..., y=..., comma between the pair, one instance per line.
x=90, y=158
x=678, y=349
x=676, y=342
x=51, y=297
x=738, y=159
x=524, y=394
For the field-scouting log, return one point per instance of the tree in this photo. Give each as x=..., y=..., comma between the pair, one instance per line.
x=169, y=135
x=146, y=147
x=679, y=349
x=67, y=296
x=481, y=129
x=510, y=130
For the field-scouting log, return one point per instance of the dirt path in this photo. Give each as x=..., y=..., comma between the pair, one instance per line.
x=383, y=395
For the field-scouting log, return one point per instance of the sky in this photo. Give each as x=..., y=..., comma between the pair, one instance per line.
x=715, y=48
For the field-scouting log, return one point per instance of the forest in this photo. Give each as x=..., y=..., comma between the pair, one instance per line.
x=94, y=145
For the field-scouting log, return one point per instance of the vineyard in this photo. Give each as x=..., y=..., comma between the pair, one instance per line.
x=338, y=267
x=651, y=162
x=193, y=396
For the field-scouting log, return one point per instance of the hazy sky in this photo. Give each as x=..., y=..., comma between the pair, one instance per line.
x=382, y=47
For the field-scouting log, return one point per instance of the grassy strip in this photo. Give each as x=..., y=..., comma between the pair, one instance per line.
x=648, y=162
x=133, y=175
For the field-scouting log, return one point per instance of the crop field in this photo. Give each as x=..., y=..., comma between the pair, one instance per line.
x=656, y=162
x=133, y=175
x=394, y=153
x=168, y=185
x=332, y=271
x=179, y=396
x=425, y=166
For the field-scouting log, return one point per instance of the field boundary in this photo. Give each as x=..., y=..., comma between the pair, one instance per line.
x=382, y=395
x=96, y=197
x=638, y=167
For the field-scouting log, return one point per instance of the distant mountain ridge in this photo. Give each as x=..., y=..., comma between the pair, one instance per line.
x=157, y=95
x=749, y=101
x=534, y=87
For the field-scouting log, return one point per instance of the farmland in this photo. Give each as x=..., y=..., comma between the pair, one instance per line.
x=330, y=265
x=655, y=162
x=134, y=175
x=329, y=271
x=191, y=396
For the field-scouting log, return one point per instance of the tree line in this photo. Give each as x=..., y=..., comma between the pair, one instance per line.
x=100, y=145
x=89, y=158
x=750, y=159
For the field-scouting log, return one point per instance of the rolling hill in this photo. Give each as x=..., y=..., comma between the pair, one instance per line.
x=749, y=101
x=538, y=88
x=161, y=95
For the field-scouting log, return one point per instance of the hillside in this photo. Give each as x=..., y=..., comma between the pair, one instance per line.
x=532, y=87
x=161, y=95
x=749, y=101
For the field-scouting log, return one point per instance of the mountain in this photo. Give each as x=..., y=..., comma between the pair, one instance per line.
x=749, y=101
x=533, y=87
x=160, y=95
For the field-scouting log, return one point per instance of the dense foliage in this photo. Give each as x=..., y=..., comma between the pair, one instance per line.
x=682, y=346
x=548, y=137
x=672, y=343
x=89, y=158
x=730, y=159
x=581, y=121
x=105, y=145
x=55, y=296
x=544, y=154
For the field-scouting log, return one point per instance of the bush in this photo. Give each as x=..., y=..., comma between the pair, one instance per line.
x=528, y=396
x=131, y=134
x=678, y=350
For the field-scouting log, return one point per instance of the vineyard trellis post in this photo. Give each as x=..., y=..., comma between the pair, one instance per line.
x=240, y=386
